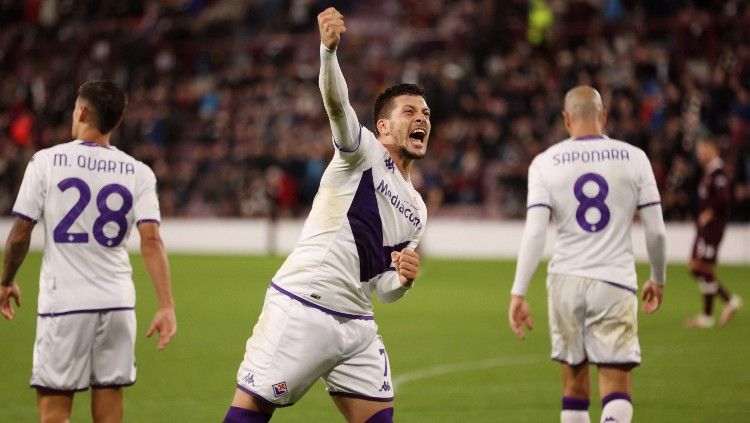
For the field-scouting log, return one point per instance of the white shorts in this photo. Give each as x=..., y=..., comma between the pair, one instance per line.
x=75, y=351
x=294, y=344
x=592, y=320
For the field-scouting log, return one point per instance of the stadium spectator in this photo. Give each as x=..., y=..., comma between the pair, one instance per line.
x=221, y=90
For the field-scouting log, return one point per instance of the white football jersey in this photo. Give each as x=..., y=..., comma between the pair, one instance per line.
x=593, y=186
x=88, y=197
x=364, y=210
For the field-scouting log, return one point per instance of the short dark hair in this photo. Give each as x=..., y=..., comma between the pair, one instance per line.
x=108, y=102
x=384, y=102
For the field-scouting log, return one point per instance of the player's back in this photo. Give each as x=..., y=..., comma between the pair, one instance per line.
x=88, y=198
x=593, y=186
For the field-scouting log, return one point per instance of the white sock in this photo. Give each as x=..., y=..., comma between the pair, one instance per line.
x=574, y=416
x=617, y=411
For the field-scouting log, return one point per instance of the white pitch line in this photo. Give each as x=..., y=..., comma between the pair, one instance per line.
x=444, y=369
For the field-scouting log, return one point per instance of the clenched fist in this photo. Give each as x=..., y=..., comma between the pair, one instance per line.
x=407, y=265
x=331, y=25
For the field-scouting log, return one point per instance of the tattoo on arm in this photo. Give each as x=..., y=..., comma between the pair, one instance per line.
x=16, y=248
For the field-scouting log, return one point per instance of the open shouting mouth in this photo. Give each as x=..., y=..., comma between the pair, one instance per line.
x=417, y=136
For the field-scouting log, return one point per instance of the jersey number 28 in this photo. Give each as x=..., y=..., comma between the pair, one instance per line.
x=106, y=214
x=585, y=203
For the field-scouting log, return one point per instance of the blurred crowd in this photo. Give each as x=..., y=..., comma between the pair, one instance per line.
x=225, y=108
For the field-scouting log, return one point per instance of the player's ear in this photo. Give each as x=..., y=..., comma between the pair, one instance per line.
x=566, y=118
x=84, y=115
x=603, y=117
x=383, y=127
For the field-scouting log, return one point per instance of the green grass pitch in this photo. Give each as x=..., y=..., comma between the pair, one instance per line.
x=453, y=356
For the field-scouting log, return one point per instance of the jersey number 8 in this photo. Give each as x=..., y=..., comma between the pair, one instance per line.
x=106, y=214
x=585, y=203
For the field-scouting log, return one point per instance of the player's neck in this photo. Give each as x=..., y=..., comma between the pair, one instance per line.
x=403, y=163
x=586, y=133
x=93, y=135
x=585, y=129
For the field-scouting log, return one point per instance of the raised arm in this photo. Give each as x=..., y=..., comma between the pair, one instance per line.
x=344, y=123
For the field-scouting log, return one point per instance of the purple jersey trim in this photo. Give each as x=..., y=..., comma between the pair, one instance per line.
x=23, y=216
x=560, y=360
x=590, y=137
x=111, y=385
x=617, y=285
x=148, y=221
x=92, y=310
x=93, y=144
x=320, y=307
x=62, y=391
x=625, y=365
x=615, y=396
x=260, y=398
x=359, y=141
x=570, y=403
x=539, y=205
x=359, y=396
x=654, y=203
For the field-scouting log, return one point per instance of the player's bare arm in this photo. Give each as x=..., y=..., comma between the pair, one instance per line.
x=16, y=248
x=331, y=26
x=519, y=315
x=407, y=265
x=155, y=258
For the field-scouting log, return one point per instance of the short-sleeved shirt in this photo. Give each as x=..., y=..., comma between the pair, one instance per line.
x=88, y=198
x=593, y=186
x=364, y=210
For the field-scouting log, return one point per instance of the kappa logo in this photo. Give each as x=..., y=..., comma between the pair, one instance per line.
x=249, y=379
x=279, y=389
x=386, y=387
x=389, y=164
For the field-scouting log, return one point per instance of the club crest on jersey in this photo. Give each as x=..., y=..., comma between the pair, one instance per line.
x=389, y=164
x=279, y=389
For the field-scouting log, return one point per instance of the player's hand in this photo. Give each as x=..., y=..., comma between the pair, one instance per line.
x=407, y=265
x=165, y=323
x=519, y=314
x=6, y=293
x=331, y=25
x=652, y=295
